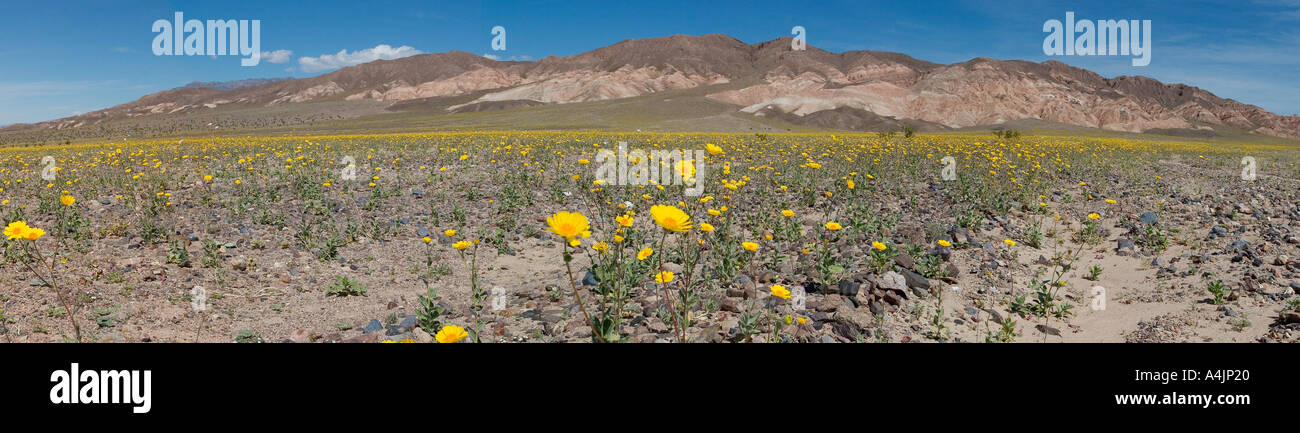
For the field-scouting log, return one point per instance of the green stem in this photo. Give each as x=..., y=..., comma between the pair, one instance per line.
x=578, y=295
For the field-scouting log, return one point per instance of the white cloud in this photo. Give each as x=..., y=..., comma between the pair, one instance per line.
x=344, y=58
x=277, y=56
x=509, y=59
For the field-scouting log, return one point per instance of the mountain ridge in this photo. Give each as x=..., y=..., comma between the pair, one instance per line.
x=231, y=85
x=790, y=85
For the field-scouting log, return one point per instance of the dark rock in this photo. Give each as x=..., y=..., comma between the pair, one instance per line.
x=743, y=280
x=877, y=308
x=952, y=271
x=916, y=281
x=815, y=287
x=846, y=330
x=1239, y=245
x=994, y=315
x=905, y=260
x=942, y=252
x=739, y=292
x=373, y=326
x=590, y=279
x=1125, y=247
x=1048, y=330
x=408, y=322
x=1149, y=218
x=849, y=288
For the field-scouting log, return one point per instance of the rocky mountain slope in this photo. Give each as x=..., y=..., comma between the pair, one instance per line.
x=849, y=90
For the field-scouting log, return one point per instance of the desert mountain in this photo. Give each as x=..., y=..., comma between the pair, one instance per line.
x=231, y=85
x=849, y=90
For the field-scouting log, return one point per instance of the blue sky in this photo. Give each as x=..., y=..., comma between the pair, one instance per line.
x=63, y=58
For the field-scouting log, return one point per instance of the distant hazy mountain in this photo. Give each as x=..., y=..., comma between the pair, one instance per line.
x=231, y=85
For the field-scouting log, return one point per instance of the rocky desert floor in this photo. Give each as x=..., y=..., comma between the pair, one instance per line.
x=1040, y=239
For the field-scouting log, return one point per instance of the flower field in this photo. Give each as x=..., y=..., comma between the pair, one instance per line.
x=514, y=237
